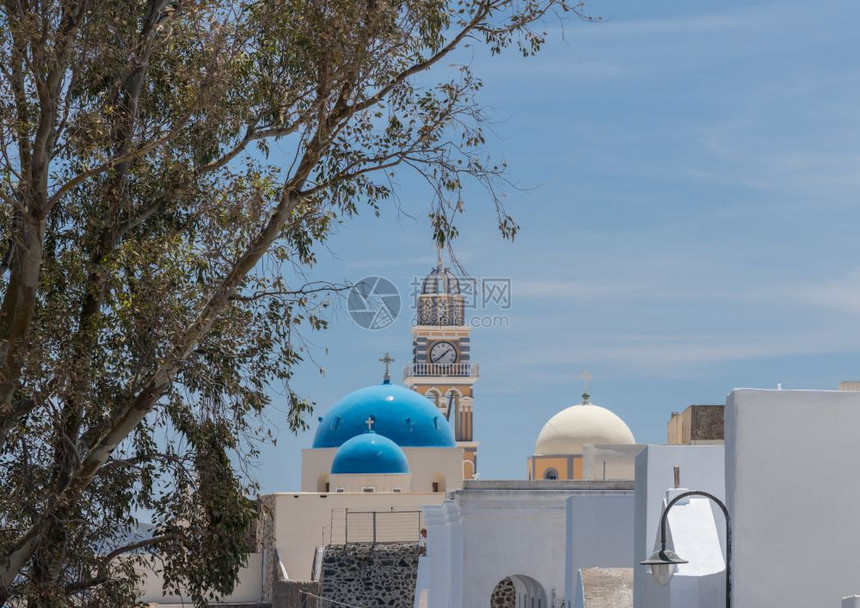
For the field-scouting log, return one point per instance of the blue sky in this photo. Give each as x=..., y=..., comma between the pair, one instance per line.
x=690, y=224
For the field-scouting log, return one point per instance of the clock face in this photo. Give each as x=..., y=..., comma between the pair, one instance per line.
x=443, y=353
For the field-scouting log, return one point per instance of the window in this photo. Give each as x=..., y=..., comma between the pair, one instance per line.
x=396, y=489
x=368, y=489
x=327, y=487
x=339, y=490
x=550, y=474
x=433, y=397
x=435, y=486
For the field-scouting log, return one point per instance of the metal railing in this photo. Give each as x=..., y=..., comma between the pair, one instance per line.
x=432, y=369
x=376, y=527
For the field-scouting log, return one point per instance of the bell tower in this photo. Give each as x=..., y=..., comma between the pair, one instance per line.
x=441, y=367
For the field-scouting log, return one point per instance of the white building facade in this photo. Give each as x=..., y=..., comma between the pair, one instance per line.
x=517, y=533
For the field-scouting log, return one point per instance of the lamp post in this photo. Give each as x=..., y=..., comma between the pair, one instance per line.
x=663, y=562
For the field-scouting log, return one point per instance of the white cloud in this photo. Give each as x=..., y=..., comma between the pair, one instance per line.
x=668, y=355
x=840, y=294
x=753, y=321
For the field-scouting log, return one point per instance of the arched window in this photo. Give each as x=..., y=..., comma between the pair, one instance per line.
x=435, y=397
x=468, y=469
x=550, y=474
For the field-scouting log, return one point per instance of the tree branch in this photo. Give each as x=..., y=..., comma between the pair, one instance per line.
x=480, y=14
x=102, y=573
x=122, y=158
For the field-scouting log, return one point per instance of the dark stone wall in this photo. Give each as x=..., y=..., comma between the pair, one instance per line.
x=370, y=576
x=504, y=595
x=706, y=422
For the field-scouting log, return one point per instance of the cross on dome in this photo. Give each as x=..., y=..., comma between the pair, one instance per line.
x=586, y=376
x=370, y=422
x=387, y=360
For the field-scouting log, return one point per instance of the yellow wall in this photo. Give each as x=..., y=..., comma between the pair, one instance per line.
x=562, y=463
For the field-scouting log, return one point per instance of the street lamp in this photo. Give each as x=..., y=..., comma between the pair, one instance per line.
x=663, y=562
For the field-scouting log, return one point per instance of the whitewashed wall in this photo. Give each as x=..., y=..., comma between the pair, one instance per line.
x=610, y=461
x=380, y=482
x=793, y=477
x=599, y=534
x=511, y=533
x=440, y=570
x=248, y=590
x=493, y=530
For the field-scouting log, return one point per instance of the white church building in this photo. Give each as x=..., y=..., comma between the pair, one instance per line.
x=573, y=533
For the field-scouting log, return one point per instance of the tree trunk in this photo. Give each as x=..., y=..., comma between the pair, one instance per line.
x=19, y=304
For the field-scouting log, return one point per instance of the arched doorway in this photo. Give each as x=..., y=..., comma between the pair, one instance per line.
x=518, y=591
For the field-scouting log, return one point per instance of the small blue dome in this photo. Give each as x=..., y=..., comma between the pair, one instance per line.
x=402, y=415
x=369, y=453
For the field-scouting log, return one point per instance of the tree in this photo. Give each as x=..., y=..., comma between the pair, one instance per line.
x=152, y=282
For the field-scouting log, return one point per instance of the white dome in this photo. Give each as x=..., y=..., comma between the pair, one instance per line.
x=577, y=425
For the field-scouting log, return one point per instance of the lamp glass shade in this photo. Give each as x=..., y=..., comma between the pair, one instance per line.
x=662, y=573
x=663, y=564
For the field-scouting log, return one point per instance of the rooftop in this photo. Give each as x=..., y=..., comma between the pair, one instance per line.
x=546, y=485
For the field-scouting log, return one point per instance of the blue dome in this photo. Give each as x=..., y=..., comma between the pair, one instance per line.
x=369, y=453
x=402, y=415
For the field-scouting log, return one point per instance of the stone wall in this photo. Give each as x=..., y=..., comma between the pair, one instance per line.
x=381, y=575
x=707, y=423
x=504, y=595
x=606, y=587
